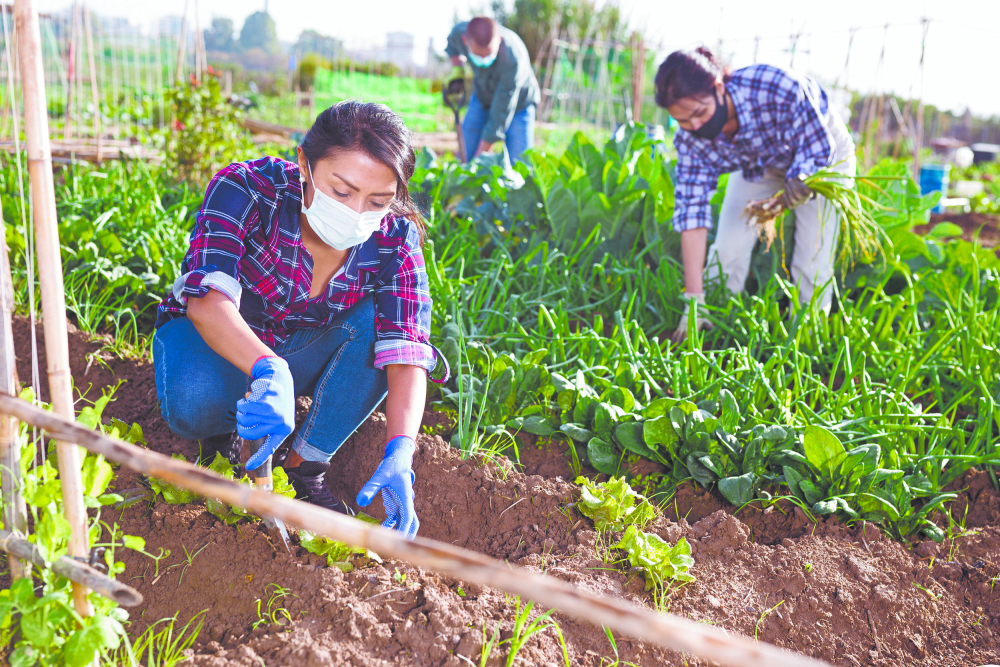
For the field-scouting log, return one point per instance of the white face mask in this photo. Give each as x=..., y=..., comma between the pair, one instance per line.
x=336, y=224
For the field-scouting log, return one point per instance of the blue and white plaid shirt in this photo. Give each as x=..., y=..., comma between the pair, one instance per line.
x=783, y=118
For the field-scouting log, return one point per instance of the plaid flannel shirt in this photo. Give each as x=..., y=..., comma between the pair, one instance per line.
x=783, y=120
x=247, y=244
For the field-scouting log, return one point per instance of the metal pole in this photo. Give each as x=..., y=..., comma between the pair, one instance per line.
x=36, y=129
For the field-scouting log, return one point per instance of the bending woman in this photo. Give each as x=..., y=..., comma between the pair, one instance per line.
x=305, y=280
x=771, y=128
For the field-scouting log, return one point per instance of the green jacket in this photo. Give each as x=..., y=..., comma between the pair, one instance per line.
x=505, y=87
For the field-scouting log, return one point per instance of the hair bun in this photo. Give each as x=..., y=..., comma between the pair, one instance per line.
x=707, y=54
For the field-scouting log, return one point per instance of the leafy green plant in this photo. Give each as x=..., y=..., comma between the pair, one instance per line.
x=42, y=626
x=613, y=505
x=170, y=493
x=663, y=565
x=206, y=134
x=338, y=554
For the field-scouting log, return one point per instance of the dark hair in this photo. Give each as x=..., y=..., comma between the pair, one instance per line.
x=378, y=132
x=688, y=73
x=482, y=30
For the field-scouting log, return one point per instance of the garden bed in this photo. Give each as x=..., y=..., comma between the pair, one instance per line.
x=844, y=594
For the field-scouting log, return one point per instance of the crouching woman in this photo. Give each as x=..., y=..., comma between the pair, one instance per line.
x=306, y=279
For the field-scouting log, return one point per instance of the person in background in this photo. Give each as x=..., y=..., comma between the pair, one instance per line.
x=306, y=278
x=505, y=91
x=771, y=128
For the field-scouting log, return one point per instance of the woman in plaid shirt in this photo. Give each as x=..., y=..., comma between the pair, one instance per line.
x=306, y=279
x=771, y=129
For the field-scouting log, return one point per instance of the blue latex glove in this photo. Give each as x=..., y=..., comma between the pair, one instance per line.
x=269, y=411
x=394, y=478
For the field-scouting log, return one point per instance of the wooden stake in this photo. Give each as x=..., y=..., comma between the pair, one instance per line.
x=36, y=128
x=638, y=75
x=672, y=632
x=15, y=512
x=71, y=74
x=94, y=95
x=179, y=73
x=73, y=570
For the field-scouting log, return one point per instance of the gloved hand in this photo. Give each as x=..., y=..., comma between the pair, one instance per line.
x=269, y=410
x=682, y=327
x=796, y=192
x=456, y=73
x=394, y=478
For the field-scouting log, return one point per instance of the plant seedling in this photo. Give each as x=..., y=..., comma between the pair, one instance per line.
x=523, y=630
x=189, y=560
x=764, y=614
x=274, y=613
x=808, y=567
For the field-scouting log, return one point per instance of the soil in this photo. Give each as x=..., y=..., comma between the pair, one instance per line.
x=846, y=594
x=981, y=227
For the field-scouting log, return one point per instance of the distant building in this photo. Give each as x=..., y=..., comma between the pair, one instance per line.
x=399, y=49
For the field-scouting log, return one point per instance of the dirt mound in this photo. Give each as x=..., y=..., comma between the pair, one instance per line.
x=975, y=226
x=844, y=594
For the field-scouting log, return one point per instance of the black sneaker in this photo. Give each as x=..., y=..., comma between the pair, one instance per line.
x=309, y=480
x=227, y=444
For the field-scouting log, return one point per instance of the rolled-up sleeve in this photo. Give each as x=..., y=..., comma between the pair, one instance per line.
x=697, y=178
x=403, y=309
x=217, y=241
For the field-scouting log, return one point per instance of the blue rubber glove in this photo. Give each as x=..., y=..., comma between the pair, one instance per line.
x=269, y=411
x=394, y=478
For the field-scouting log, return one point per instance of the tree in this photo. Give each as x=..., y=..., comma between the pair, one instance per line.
x=220, y=36
x=259, y=32
x=535, y=20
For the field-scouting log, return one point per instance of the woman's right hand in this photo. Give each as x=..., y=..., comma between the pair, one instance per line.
x=268, y=411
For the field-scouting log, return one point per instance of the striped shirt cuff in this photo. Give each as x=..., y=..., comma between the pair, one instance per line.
x=409, y=353
x=197, y=283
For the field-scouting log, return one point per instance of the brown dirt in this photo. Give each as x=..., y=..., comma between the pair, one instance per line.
x=975, y=226
x=844, y=594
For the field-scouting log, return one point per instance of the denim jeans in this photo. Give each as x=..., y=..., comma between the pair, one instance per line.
x=198, y=389
x=520, y=134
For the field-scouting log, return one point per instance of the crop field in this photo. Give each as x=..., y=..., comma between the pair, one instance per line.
x=822, y=482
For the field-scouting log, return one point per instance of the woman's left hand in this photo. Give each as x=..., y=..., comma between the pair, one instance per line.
x=394, y=477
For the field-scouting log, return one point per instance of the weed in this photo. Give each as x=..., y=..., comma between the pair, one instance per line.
x=764, y=614
x=159, y=646
x=523, y=630
x=275, y=614
x=189, y=560
x=930, y=593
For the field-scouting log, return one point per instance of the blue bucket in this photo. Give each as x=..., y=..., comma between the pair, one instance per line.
x=934, y=178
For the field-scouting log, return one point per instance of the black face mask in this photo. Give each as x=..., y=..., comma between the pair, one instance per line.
x=710, y=130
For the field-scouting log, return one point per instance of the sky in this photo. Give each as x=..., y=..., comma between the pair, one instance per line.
x=959, y=57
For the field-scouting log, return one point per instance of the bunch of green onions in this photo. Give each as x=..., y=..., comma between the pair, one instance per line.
x=860, y=237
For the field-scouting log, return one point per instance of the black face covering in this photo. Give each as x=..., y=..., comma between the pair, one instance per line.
x=710, y=130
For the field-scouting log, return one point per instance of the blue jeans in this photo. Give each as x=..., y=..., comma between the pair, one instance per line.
x=198, y=389
x=520, y=134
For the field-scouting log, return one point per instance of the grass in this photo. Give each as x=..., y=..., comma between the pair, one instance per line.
x=161, y=644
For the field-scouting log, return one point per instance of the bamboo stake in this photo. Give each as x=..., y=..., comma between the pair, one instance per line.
x=179, y=73
x=93, y=85
x=73, y=570
x=71, y=75
x=36, y=128
x=669, y=631
x=15, y=512
x=638, y=75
